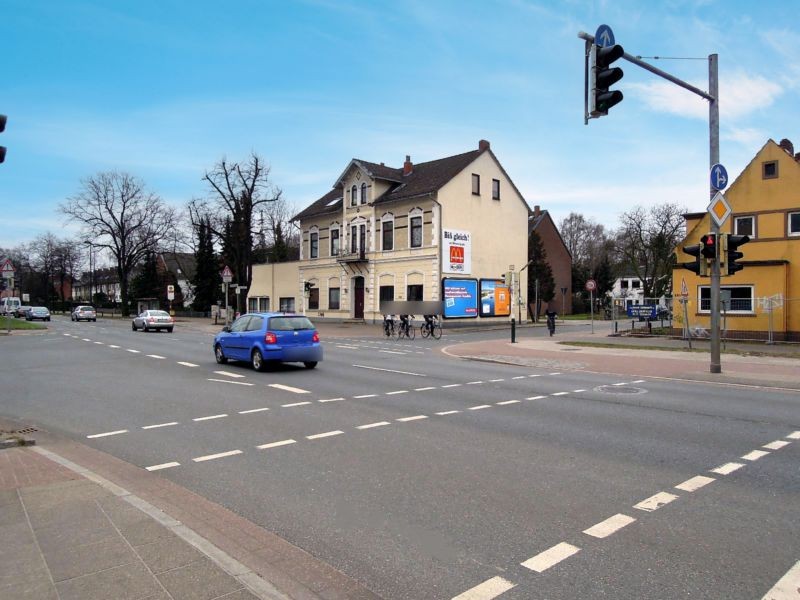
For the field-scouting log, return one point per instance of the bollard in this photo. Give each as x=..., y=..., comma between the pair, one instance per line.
x=513, y=331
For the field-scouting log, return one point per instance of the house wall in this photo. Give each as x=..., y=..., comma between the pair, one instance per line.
x=561, y=264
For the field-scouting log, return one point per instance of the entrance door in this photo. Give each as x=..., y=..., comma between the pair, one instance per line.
x=358, y=297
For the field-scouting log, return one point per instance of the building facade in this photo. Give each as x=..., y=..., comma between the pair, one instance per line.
x=558, y=257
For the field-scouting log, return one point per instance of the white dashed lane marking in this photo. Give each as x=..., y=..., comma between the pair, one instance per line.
x=293, y=404
x=132, y=351
x=288, y=388
x=331, y=400
x=489, y=589
x=795, y=435
x=107, y=433
x=112, y=346
x=215, y=456
x=156, y=356
x=170, y=424
x=559, y=394
x=252, y=410
x=452, y=385
x=788, y=586
x=229, y=374
x=167, y=465
x=231, y=382
x=187, y=364
x=448, y=412
x=754, y=455
x=424, y=389
x=535, y=397
x=776, y=445
x=695, y=483
x=209, y=418
x=276, y=444
x=507, y=402
x=365, y=396
x=552, y=556
x=414, y=418
x=609, y=526
x=655, y=501
x=727, y=468
x=396, y=392
x=317, y=436
x=480, y=407
x=371, y=425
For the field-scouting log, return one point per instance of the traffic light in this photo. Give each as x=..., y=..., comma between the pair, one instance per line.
x=2, y=129
x=699, y=265
x=603, y=76
x=709, y=246
x=732, y=243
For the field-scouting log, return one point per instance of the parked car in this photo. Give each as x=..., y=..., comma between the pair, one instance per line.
x=9, y=305
x=22, y=311
x=153, y=319
x=84, y=313
x=264, y=338
x=37, y=312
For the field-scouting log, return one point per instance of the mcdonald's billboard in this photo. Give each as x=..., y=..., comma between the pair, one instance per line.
x=456, y=252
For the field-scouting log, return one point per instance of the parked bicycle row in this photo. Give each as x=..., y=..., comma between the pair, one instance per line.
x=403, y=326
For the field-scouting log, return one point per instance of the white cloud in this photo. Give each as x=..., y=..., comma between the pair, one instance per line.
x=749, y=137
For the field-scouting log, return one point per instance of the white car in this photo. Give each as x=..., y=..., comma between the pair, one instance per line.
x=84, y=313
x=153, y=319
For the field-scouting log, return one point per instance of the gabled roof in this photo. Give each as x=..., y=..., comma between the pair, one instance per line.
x=329, y=203
x=183, y=261
x=534, y=221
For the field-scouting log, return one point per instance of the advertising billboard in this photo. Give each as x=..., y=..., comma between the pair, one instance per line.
x=456, y=251
x=460, y=298
x=495, y=298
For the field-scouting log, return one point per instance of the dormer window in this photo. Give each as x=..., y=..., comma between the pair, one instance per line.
x=353, y=196
x=363, y=193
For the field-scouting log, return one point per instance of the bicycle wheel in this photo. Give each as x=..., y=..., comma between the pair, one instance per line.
x=411, y=332
x=398, y=331
x=437, y=332
x=424, y=330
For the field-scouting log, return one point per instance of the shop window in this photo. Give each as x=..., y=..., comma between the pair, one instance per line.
x=313, y=298
x=414, y=292
x=333, y=299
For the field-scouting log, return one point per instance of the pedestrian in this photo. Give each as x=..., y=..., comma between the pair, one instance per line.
x=551, y=321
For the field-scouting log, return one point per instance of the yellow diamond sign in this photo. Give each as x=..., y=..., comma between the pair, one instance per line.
x=719, y=209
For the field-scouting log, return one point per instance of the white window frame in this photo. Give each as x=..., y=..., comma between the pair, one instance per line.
x=753, y=227
x=387, y=218
x=730, y=311
x=335, y=227
x=413, y=214
x=314, y=231
x=789, y=231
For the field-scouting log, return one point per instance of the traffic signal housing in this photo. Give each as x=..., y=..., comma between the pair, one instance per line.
x=709, y=246
x=603, y=76
x=2, y=129
x=699, y=265
x=731, y=247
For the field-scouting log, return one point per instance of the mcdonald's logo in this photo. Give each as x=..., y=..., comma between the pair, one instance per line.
x=457, y=255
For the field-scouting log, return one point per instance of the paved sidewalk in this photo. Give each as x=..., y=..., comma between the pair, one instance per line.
x=68, y=532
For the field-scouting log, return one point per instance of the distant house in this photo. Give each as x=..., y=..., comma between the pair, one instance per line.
x=182, y=266
x=558, y=257
x=100, y=281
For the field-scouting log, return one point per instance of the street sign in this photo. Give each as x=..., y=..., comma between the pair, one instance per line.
x=719, y=177
x=604, y=37
x=8, y=268
x=227, y=274
x=170, y=292
x=684, y=288
x=591, y=285
x=644, y=311
x=719, y=209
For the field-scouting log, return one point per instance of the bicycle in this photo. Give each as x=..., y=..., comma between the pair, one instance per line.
x=431, y=327
x=389, y=326
x=406, y=328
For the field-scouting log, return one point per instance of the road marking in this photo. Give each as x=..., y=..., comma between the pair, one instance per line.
x=451, y=385
x=156, y=356
x=535, y=397
x=656, y=501
x=112, y=346
x=555, y=373
x=86, y=339
x=754, y=455
x=389, y=370
x=295, y=404
x=695, y=483
x=727, y=468
x=605, y=528
x=187, y=364
x=474, y=382
x=170, y=424
x=559, y=394
x=214, y=456
x=371, y=425
x=535, y=375
x=317, y=436
x=252, y=410
x=794, y=435
x=107, y=433
x=507, y=402
x=132, y=351
x=100, y=343
x=552, y=556
x=231, y=382
x=276, y=444
x=210, y=417
x=396, y=392
x=414, y=418
x=347, y=347
x=787, y=586
x=365, y=396
x=229, y=374
x=519, y=377
x=491, y=588
x=496, y=380
x=623, y=383
x=577, y=391
x=448, y=412
x=424, y=389
x=390, y=352
x=776, y=445
x=480, y=407
x=163, y=466
x=66, y=334
x=639, y=381
x=331, y=400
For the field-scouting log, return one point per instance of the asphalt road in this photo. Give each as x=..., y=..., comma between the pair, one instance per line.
x=424, y=477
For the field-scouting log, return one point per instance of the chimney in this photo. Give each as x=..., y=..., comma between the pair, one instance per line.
x=797, y=157
x=408, y=167
x=787, y=146
x=483, y=145
x=537, y=211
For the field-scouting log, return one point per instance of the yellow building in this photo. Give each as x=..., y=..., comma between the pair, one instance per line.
x=765, y=295
x=407, y=233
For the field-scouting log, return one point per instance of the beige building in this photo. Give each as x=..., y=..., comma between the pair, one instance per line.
x=410, y=233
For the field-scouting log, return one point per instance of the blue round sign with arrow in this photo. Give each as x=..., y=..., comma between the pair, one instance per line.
x=604, y=37
x=719, y=177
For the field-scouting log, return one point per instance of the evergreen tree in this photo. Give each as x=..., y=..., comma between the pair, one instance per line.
x=539, y=269
x=146, y=283
x=206, y=279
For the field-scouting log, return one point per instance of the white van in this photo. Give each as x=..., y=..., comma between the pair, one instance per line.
x=9, y=306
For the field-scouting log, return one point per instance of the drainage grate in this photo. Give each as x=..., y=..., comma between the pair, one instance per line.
x=20, y=431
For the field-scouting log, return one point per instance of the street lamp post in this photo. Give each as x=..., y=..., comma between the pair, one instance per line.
x=91, y=272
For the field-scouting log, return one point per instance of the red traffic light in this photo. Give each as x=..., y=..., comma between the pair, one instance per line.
x=709, y=243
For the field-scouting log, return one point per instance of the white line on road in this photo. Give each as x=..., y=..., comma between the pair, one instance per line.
x=535, y=375
x=365, y=396
x=795, y=435
x=231, y=382
x=371, y=425
x=491, y=588
x=252, y=410
x=163, y=466
x=317, y=436
x=389, y=370
x=347, y=347
x=396, y=392
x=390, y=352
x=552, y=556
x=535, y=397
x=170, y=424
x=639, y=381
x=132, y=351
x=331, y=400
x=187, y=364
x=556, y=373
x=622, y=383
x=519, y=377
x=424, y=389
x=695, y=483
x=448, y=412
x=776, y=445
x=112, y=346
x=754, y=455
x=787, y=586
x=496, y=380
x=107, y=433
x=86, y=339
x=156, y=356
x=414, y=418
x=559, y=393
x=214, y=456
x=295, y=404
x=100, y=343
x=451, y=385
x=655, y=501
x=480, y=407
x=474, y=382
x=229, y=374
x=276, y=444
x=211, y=417
x=507, y=402
x=727, y=468
x=611, y=525
x=577, y=391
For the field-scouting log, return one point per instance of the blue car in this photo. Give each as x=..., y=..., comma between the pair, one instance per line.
x=264, y=338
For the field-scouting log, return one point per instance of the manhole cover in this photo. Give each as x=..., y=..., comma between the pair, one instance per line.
x=619, y=389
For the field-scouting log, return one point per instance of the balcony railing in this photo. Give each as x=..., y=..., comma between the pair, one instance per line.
x=350, y=257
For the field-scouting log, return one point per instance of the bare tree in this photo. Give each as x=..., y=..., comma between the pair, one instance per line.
x=117, y=213
x=239, y=192
x=646, y=242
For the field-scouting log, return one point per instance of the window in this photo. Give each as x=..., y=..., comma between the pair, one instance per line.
x=794, y=223
x=333, y=298
x=290, y=324
x=495, y=189
x=353, y=196
x=623, y=284
x=416, y=232
x=334, y=241
x=354, y=239
x=314, y=244
x=363, y=193
x=635, y=283
x=286, y=305
x=387, y=234
x=744, y=226
x=386, y=293
x=240, y=324
x=476, y=184
x=741, y=298
x=255, y=324
x=252, y=305
x=313, y=298
x=769, y=170
x=414, y=292
x=263, y=304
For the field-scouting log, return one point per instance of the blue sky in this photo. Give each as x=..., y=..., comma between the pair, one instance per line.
x=163, y=89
